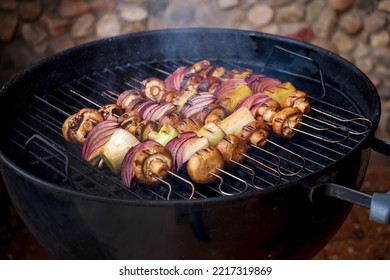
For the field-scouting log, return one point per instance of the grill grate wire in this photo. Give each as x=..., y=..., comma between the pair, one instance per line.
x=45, y=156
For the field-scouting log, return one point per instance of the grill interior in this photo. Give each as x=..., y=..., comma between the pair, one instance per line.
x=36, y=142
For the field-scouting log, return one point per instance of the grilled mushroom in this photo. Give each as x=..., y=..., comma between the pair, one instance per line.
x=212, y=113
x=154, y=89
x=130, y=120
x=111, y=112
x=255, y=132
x=191, y=80
x=288, y=96
x=128, y=100
x=203, y=164
x=199, y=66
x=286, y=121
x=238, y=73
x=212, y=71
x=209, y=84
x=188, y=124
x=297, y=99
x=232, y=148
x=144, y=128
x=151, y=162
x=172, y=119
x=76, y=127
x=170, y=94
x=267, y=111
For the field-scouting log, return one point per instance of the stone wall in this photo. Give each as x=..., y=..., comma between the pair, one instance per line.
x=358, y=30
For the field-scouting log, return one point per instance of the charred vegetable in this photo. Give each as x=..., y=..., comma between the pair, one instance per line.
x=75, y=128
x=232, y=149
x=286, y=121
x=144, y=162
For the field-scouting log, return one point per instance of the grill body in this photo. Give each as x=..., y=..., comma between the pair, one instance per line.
x=278, y=222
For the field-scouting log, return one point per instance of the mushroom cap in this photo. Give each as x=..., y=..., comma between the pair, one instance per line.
x=130, y=120
x=286, y=122
x=111, y=112
x=77, y=126
x=203, y=164
x=232, y=148
x=212, y=113
x=297, y=99
x=251, y=128
x=154, y=89
x=172, y=119
x=188, y=124
x=151, y=162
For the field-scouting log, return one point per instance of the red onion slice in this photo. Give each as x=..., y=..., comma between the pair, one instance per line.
x=132, y=102
x=184, y=146
x=174, y=145
x=190, y=147
x=227, y=86
x=128, y=177
x=147, y=112
x=260, y=83
x=174, y=80
x=145, y=107
x=253, y=78
x=97, y=138
x=154, y=111
x=125, y=94
x=196, y=103
x=162, y=110
x=252, y=100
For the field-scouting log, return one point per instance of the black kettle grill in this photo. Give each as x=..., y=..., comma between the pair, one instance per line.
x=296, y=200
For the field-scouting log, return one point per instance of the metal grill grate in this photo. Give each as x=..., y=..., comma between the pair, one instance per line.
x=37, y=136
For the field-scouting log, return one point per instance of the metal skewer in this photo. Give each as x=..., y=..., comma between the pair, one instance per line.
x=265, y=166
x=52, y=106
x=111, y=95
x=250, y=170
x=322, y=138
x=186, y=181
x=345, y=121
x=279, y=162
x=302, y=159
x=85, y=98
x=221, y=182
x=166, y=183
x=323, y=88
x=332, y=126
x=98, y=105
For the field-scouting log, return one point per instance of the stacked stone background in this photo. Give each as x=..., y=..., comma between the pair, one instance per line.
x=358, y=30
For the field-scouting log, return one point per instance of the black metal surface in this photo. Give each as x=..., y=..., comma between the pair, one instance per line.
x=95, y=217
x=381, y=146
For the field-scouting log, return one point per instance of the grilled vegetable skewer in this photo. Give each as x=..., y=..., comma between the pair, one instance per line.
x=153, y=104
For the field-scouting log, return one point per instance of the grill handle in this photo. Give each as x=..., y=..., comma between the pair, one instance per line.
x=378, y=203
x=49, y=144
x=380, y=146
